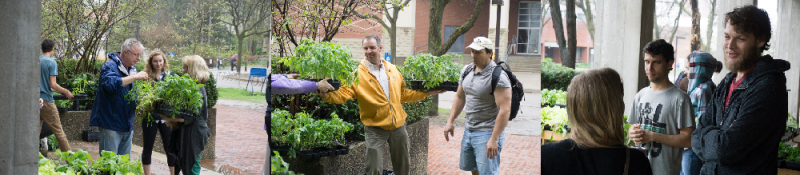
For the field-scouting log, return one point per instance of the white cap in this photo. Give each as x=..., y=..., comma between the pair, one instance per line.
x=480, y=43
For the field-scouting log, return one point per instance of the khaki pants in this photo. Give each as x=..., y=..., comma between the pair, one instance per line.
x=49, y=114
x=398, y=148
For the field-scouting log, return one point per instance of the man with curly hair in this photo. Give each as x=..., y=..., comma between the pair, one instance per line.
x=745, y=119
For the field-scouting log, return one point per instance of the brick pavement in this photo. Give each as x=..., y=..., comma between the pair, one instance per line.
x=520, y=155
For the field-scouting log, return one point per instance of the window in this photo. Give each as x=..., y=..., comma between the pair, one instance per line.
x=458, y=45
x=528, y=27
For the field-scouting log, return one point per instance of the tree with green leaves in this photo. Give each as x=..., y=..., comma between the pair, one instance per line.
x=80, y=27
x=247, y=18
x=318, y=20
x=391, y=24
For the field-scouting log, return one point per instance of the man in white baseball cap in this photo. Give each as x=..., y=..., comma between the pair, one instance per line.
x=487, y=113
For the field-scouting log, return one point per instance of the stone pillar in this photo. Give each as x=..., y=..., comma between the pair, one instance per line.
x=21, y=48
x=786, y=44
x=621, y=47
x=724, y=7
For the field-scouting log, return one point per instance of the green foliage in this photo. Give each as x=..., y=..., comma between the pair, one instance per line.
x=77, y=82
x=788, y=152
x=140, y=65
x=48, y=167
x=278, y=166
x=626, y=126
x=325, y=60
x=432, y=69
x=51, y=141
x=119, y=164
x=792, y=122
x=556, y=76
x=304, y=133
x=181, y=92
x=211, y=90
x=81, y=162
x=417, y=110
x=556, y=118
x=552, y=97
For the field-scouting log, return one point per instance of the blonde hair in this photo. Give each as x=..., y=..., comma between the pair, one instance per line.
x=595, y=108
x=196, y=68
x=151, y=72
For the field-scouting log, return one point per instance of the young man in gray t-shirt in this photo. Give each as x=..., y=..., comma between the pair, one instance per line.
x=487, y=113
x=661, y=117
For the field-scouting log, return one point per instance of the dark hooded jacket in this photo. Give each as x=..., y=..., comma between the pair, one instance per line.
x=743, y=138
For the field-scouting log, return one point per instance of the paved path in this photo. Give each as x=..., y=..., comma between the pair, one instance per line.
x=520, y=154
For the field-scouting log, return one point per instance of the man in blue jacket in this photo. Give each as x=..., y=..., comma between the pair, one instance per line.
x=746, y=117
x=111, y=112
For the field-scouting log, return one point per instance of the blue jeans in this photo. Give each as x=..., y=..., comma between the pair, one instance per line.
x=690, y=165
x=117, y=141
x=473, y=152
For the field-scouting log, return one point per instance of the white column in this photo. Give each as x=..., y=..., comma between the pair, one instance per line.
x=621, y=47
x=787, y=45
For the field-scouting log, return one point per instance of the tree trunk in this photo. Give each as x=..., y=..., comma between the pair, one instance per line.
x=240, y=37
x=675, y=27
x=710, y=25
x=572, y=35
x=695, y=26
x=558, y=26
x=393, y=36
x=435, y=45
x=587, y=11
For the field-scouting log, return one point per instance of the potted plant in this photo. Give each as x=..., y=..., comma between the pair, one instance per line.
x=557, y=120
x=324, y=60
x=429, y=72
x=175, y=96
x=551, y=98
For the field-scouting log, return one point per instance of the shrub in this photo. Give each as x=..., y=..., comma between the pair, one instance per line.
x=417, y=110
x=556, y=76
x=211, y=90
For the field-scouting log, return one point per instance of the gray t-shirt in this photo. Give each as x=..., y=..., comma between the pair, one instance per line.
x=664, y=112
x=480, y=108
x=48, y=68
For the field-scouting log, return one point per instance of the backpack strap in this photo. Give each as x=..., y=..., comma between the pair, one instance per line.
x=496, y=77
x=469, y=69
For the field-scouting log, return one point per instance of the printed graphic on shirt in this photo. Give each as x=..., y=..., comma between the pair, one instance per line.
x=650, y=119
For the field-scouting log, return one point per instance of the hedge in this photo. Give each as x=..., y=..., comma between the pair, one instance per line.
x=556, y=76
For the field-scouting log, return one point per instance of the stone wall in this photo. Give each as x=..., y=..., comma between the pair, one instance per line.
x=354, y=161
x=74, y=122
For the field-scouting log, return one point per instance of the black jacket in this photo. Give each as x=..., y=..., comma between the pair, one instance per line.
x=565, y=158
x=743, y=139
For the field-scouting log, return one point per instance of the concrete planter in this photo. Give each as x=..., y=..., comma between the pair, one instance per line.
x=354, y=162
x=74, y=122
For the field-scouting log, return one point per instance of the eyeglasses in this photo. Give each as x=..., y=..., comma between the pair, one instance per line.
x=137, y=55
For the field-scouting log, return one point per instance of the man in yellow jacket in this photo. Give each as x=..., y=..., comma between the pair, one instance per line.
x=380, y=94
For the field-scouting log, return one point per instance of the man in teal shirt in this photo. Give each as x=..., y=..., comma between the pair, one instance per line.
x=49, y=112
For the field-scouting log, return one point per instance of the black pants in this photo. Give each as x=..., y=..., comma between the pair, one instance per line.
x=149, y=134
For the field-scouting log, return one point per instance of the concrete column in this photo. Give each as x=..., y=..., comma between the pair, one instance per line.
x=621, y=46
x=20, y=33
x=724, y=7
x=786, y=47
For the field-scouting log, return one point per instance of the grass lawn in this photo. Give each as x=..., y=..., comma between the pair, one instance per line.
x=241, y=95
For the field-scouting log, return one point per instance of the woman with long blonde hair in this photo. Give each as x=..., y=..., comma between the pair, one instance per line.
x=157, y=69
x=595, y=109
x=191, y=132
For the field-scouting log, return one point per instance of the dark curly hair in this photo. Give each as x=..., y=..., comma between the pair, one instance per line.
x=660, y=47
x=751, y=19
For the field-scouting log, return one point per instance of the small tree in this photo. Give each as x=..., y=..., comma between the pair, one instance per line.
x=381, y=5
x=247, y=18
x=318, y=20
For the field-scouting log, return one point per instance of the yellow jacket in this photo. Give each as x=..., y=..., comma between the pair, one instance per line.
x=376, y=110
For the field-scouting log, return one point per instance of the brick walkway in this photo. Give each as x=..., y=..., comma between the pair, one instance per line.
x=241, y=141
x=520, y=155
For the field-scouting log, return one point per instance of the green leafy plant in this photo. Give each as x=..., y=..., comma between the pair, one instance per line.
x=278, y=166
x=117, y=164
x=51, y=141
x=48, y=167
x=181, y=92
x=324, y=60
x=76, y=161
x=552, y=97
x=791, y=123
x=626, y=126
x=303, y=132
x=556, y=118
x=432, y=69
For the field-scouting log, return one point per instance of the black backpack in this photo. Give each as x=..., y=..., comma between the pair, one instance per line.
x=516, y=87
